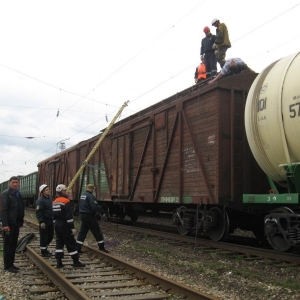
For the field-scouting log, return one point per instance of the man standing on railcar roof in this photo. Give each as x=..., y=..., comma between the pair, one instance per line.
x=12, y=217
x=207, y=54
x=44, y=215
x=222, y=42
x=88, y=207
x=64, y=228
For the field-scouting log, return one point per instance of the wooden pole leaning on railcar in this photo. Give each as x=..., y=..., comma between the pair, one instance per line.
x=96, y=145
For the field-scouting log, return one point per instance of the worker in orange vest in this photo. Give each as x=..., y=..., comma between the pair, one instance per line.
x=200, y=73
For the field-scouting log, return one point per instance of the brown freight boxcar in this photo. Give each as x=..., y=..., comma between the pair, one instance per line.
x=188, y=154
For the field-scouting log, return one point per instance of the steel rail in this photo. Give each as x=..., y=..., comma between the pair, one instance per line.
x=65, y=286
x=248, y=250
x=168, y=285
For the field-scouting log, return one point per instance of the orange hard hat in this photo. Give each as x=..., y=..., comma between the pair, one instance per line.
x=206, y=29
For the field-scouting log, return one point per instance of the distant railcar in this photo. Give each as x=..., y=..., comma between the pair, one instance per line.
x=3, y=186
x=29, y=188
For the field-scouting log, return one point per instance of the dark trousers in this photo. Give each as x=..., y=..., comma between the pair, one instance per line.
x=10, y=242
x=89, y=222
x=46, y=236
x=64, y=237
x=221, y=56
x=210, y=64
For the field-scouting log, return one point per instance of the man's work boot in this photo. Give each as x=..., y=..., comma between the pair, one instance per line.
x=77, y=263
x=59, y=263
x=103, y=249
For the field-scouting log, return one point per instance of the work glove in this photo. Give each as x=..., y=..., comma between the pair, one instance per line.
x=216, y=52
x=104, y=217
x=73, y=232
x=214, y=46
x=201, y=57
x=43, y=226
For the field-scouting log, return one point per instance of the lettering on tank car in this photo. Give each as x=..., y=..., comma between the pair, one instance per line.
x=294, y=110
x=263, y=88
x=274, y=198
x=261, y=104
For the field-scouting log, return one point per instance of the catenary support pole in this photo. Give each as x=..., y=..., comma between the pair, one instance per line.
x=101, y=138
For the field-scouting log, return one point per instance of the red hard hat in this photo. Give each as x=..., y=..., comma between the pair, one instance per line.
x=206, y=29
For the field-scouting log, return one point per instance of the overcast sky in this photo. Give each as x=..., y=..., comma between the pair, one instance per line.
x=66, y=67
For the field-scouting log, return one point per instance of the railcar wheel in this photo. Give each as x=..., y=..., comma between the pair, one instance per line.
x=180, y=227
x=219, y=229
x=134, y=215
x=278, y=241
x=121, y=215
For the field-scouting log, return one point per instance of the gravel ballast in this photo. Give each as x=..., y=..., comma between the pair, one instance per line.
x=228, y=277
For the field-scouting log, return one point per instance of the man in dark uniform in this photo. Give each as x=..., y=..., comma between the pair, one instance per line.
x=207, y=53
x=64, y=228
x=12, y=217
x=88, y=207
x=44, y=215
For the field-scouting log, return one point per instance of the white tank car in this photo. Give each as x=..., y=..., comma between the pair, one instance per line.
x=272, y=117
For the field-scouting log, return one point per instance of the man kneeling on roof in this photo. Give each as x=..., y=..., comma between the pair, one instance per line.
x=232, y=66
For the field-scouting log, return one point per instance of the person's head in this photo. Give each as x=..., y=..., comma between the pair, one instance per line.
x=233, y=66
x=215, y=22
x=90, y=187
x=14, y=182
x=61, y=190
x=206, y=30
x=44, y=190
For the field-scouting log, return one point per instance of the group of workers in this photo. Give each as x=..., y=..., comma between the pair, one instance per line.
x=53, y=215
x=213, y=50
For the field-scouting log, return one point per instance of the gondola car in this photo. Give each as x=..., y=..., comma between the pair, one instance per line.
x=188, y=153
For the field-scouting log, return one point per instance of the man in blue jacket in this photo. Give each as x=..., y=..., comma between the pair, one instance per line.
x=88, y=207
x=207, y=53
x=12, y=218
x=44, y=215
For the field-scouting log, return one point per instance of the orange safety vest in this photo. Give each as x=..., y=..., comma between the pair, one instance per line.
x=201, y=71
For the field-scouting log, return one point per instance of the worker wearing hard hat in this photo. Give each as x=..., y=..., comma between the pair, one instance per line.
x=222, y=42
x=64, y=228
x=43, y=213
x=207, y=53
x=232, y=66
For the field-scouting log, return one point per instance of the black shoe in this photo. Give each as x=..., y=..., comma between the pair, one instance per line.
x=104, y=250
x=11, y=270
x=14, y=267
x=78, y=264
x=59, y=264
x=47, y=254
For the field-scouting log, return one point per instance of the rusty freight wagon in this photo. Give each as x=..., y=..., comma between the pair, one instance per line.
x=187, y=154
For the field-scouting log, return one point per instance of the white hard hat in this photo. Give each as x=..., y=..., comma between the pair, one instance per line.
x=214, y=21
x=61, y=187
x=42, y=187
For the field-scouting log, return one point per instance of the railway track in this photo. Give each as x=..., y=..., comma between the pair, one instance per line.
x=233, y=248
x=250, y=248
x=105, y=276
